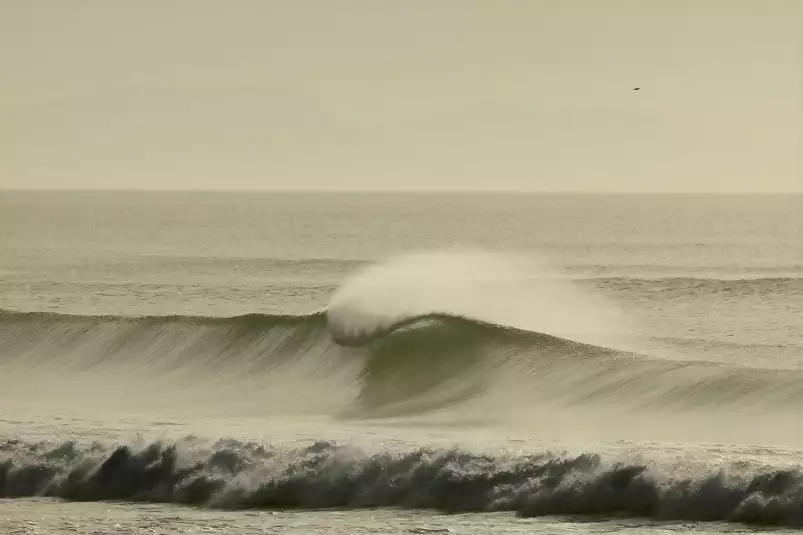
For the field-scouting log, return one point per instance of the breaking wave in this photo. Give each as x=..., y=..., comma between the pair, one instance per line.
x=416, y=365
x=235, y=475
x=449, y=335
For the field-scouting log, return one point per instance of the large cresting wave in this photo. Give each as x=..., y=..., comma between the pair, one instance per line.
x=429, y=334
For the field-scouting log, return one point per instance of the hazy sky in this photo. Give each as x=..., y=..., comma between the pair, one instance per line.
x=381, y=94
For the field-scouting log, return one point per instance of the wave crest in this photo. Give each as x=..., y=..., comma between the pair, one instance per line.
x=502, y=290
x=262, y=364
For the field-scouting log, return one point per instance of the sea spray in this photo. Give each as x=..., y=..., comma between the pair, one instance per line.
x=505, y=289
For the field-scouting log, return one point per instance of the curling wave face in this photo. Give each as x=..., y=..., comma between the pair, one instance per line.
x=417, y=365
x=429, y=335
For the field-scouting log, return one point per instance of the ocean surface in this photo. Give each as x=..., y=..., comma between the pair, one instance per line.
x=365, y=363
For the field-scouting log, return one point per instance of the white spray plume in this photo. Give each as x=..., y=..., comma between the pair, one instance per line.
x=513, y=290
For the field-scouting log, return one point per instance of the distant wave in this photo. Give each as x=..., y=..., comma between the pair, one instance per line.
x=235, y=476
x=244, y=319
x=723, y=272
x=690, y=286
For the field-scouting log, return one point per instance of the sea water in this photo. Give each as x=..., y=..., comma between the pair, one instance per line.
x=408, y=363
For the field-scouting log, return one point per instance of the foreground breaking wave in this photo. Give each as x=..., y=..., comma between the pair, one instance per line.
x=235, y=475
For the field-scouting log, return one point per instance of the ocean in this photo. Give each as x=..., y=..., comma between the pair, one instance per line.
x=400, y=363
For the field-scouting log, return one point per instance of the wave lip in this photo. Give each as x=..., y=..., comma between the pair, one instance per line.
x=235, y=475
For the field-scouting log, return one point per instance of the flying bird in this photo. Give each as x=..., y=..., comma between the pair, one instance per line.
x=636, y=88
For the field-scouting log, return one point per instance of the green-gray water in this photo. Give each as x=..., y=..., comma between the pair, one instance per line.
x=253, y=363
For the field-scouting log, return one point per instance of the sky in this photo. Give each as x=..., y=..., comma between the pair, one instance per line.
x=403, y=95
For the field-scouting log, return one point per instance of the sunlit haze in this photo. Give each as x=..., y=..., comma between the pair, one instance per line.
x=413, y=95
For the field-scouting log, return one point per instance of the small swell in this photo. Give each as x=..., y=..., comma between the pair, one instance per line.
x=685, y=286
x=244, y=319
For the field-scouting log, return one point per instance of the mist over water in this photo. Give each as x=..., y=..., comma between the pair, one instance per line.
x=505, y=289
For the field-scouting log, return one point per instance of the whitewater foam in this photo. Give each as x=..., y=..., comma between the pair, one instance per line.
x=234, y=475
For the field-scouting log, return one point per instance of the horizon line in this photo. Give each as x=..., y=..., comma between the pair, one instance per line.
x=396, y=191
